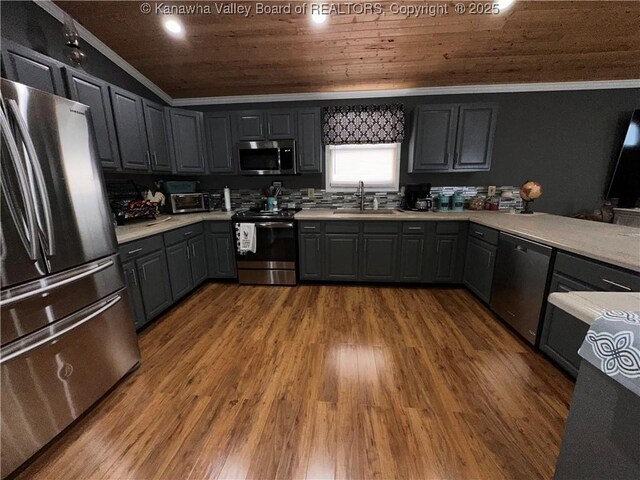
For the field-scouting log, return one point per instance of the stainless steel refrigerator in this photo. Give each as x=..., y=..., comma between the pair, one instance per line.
x=67, y=332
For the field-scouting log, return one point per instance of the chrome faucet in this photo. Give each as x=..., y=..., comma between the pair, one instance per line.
x=360, y=193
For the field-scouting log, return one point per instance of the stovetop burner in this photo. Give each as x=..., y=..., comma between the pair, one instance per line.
x=284, y=214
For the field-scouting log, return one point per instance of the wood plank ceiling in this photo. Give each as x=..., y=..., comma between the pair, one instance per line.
x=550, y=41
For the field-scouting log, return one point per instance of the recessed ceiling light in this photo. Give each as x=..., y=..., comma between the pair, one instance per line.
x=505, y=4
x=174, y=27
x=318, y=17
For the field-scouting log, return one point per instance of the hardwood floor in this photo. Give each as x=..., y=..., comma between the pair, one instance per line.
x=323, y=382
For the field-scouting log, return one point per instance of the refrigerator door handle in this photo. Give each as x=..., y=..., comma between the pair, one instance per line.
x=28, y=238
x=86, y=273
x=41, y=337
x=39, y=176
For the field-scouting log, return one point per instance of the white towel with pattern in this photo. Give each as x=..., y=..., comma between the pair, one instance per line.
x=247, y=238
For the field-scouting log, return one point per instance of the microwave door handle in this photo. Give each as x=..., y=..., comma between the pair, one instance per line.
x=27, y=238
x=39, y=176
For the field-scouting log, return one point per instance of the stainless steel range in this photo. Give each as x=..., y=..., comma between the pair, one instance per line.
x=274, y=261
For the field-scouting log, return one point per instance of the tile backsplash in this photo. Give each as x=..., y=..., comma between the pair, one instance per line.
x=244, y=198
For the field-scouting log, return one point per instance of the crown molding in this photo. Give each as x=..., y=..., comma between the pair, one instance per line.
x=56, y=12
x=95, y=42
x=411, y=92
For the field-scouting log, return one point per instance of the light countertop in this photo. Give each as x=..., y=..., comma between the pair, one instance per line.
x=588, y=306
x=163, y=223
x=614, y=244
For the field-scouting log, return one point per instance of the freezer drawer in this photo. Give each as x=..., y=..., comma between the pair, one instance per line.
x=52, y=376
x=519, y=283
x=28, y=307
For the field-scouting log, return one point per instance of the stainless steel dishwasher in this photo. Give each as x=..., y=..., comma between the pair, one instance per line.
x=519, y=283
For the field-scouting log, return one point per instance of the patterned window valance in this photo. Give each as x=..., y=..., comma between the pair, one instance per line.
x=350, y=124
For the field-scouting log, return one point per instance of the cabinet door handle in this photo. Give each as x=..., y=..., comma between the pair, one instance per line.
x=131, y=252
x=480, y=234
x=455, y=158
x=188, y=253
x=309, y=228
x=148, y=158
x=186, y=234
x=135, y=278
x=415, y=228
x=610, y=282
x=144, y=273
x=155, y=159
x=489, y=261
x=193, y=250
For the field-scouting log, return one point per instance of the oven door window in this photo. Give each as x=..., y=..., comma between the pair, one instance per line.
x=273, y=244
x=259, y=159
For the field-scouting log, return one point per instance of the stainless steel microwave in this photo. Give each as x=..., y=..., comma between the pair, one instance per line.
x=267, y=158
x=189, y=202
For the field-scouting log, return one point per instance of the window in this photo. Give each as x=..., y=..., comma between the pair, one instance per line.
x=377, y=165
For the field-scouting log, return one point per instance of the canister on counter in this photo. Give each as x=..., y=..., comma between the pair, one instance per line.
x=444, y=202
x=457, y=202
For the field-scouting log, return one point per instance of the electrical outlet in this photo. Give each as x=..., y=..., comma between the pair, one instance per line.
x=491, y=190
x=277, y=184
x=311, y=192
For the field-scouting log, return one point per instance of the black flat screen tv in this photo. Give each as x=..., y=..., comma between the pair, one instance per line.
x=625, y=181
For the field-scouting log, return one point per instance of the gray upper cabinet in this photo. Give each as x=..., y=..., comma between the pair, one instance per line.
x=31, y=68
x=128, y=115
x=157, y=136
x=452, y=138
x=433, y=137
x=251, y=125
x=94, y=92
x=219, y=143
x=474, y=141
x=309, y=143
x=281, y=124
x=187, y=140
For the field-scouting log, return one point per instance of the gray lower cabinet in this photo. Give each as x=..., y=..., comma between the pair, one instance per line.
x=128, y=114
x=94, y=92
x=562, y=334
x=310, y=256
x=309, y=143
x=378, y=257
x=31, y=68
x=221, y=256
x=219, y=138
x=412, y=258
x=154, y=283
x=341, y=252
x=446, y=247
x=187, y=140
x=179, y=269
x=187, y=262
x=198, y=259
x=478, y=267
x=133, y=290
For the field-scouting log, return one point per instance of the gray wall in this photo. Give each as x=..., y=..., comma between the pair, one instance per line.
x=27, y=24
x=568, y=141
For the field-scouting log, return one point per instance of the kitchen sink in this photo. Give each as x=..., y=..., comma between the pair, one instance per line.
x=356, y=211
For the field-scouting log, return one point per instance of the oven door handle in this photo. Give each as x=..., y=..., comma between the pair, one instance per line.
x=274, y=225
